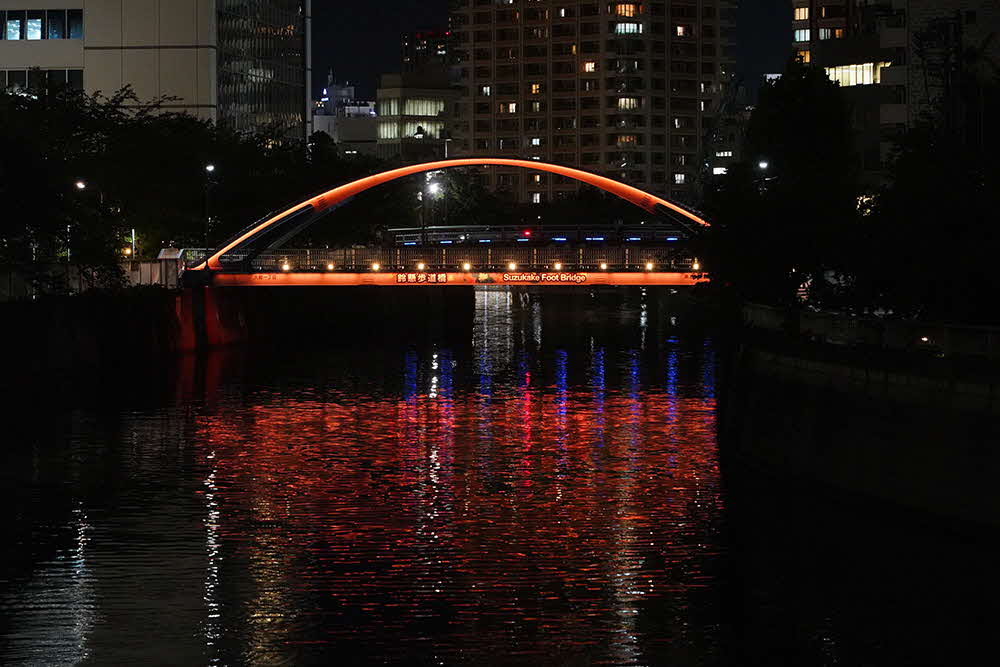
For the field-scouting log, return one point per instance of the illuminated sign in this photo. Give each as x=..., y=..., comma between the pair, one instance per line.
x=422, y=278
x=536, y=278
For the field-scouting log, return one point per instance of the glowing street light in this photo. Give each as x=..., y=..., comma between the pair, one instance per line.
x=375, y=266
x=649, y=266
x=421, y=266
x=286, y=267
x=557, y=266
x=80, y=185
x=434, y=188
x=604, y=266
x=696, y=266
x=512, y=266
x=329, y=267
x=466, y=266
x=763, y=164
x=210, y=168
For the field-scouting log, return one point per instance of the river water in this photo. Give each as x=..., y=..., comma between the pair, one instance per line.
x=543, y=489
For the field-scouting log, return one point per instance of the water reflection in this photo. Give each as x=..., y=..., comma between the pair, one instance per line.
x=541, y=495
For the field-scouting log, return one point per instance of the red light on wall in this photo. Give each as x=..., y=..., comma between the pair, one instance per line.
x=527, y=232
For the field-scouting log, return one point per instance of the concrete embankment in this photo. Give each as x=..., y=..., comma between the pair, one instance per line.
x=913, y=427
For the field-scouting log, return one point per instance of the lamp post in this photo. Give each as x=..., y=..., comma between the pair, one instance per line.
x=209, y=172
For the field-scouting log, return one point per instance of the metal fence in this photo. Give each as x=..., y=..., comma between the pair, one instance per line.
x=486, y=257
x=72, y=278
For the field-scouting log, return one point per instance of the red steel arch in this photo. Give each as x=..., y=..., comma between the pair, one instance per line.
x=339, y=194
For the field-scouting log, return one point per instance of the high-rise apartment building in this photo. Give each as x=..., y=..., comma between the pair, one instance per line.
x=425, y=48
x=627, y=89
x=242, y=63
x=819, y=20
x=898, y=61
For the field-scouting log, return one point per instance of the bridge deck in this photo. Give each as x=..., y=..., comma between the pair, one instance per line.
x=463, y=278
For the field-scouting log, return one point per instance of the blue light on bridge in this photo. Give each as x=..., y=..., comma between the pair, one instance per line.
x=595, y=238
x=522, y=240
x=633, y=238
x=484, y=240
x=558, y=238
x=671, y=238
x=447, y=242
x=410, y=243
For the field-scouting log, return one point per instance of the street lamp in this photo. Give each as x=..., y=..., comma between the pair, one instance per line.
x=762, y=165
x=209, y=172
x=434, y=188
x=80, y=185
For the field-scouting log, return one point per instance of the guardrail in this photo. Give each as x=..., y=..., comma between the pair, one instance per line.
x=945, y=339
x=569, y=258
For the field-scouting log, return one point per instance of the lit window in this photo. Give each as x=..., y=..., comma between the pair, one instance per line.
x=536, y=141
x=33, y=25
x=508, y=107
x=562, y=12
x=15, y=21
x=423, y=107
x=719, y=171
x=627, y=10
x=536, y=197
x=485, y=91
x=864, y=74
x=680, y=179
x=536, y=88
x=628, y=103
x=723, y=153
x=801, y=13
x=681, y=31
x=802, y=35
x=534, y=107
x=803, y=56
x=628, y=28
x=626, y=139
x=536, y=178
x=590, y=66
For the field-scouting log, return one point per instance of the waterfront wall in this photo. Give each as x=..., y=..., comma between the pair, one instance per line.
x=899, y=423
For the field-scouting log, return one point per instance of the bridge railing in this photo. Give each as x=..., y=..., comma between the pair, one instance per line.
x=485, y=257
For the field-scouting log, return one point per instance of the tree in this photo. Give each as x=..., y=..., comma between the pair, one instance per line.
x=786, y=215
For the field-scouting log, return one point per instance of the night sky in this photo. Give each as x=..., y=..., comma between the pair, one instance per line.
x=360, y=40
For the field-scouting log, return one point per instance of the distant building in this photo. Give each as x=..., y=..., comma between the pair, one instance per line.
x=243, y=64
x=630, y=90
x=350, y=122
x=414, y=112
x=425, y=49
x=897, y=61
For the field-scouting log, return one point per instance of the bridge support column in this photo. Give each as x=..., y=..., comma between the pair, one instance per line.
x=211, y=317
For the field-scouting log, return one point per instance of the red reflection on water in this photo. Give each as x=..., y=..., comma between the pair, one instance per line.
x=573, y=512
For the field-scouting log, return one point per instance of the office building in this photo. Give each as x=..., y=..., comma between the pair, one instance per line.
x=627, y=89
x=241, y=63
x=350, y=122
x=414, y=111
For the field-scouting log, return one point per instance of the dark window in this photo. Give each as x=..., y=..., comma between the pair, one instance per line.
x=55, y=79
x=74, y=79
x=36, y=79
x=56, y=24
x=74, y=21
x=17, y=79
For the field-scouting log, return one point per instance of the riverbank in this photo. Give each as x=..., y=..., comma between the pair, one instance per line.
x=912, y=427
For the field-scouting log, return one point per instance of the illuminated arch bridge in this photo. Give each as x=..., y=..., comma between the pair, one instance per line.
x=253, y=257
